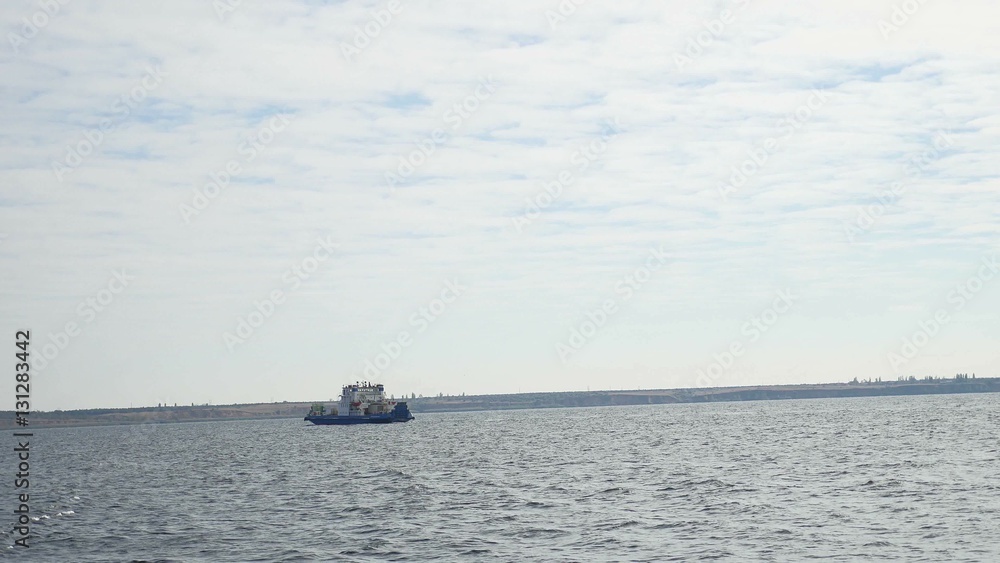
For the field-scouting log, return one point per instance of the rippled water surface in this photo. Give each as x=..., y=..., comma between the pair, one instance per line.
x=907, y=478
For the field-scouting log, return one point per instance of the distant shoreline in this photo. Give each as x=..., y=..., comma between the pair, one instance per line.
x=511, y=401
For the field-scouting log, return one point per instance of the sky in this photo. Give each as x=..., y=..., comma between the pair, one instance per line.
x=242, y=201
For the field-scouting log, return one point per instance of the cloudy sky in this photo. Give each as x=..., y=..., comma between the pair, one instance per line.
x=250, y=201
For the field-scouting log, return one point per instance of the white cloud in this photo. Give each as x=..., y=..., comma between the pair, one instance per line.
x=682, y=133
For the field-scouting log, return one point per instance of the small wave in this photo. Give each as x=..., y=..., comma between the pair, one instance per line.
x=541, y=532
x=706, y=483
x=618, y=525
x=610, y=491
x=671, y=525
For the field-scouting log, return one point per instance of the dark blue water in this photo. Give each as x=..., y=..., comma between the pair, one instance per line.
x=906, y=478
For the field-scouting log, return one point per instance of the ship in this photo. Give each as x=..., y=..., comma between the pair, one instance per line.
x=361, y=403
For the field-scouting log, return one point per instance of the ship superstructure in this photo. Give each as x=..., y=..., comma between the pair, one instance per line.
x=361, y=403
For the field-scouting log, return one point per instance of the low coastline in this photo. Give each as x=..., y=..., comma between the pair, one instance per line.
x=460, y=403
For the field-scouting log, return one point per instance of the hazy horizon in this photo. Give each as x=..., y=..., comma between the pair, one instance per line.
x=231, y=202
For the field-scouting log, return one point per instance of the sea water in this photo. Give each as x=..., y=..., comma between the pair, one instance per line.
x=906, y=478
